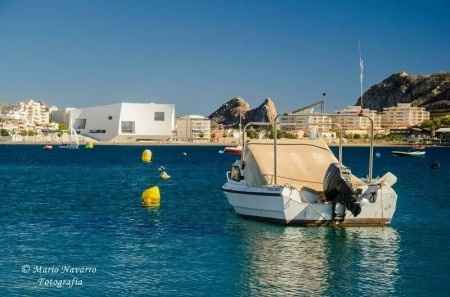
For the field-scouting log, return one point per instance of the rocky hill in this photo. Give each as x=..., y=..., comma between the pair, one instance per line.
x=266, y=112
x=228, y=113
x=429, y=91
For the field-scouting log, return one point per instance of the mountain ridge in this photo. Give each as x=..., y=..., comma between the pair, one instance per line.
x=228, y=114
x=429, y=91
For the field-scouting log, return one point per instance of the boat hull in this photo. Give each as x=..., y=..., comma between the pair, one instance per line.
x=233, y=150
x=369, y=222
x=289, y=206
x=408, y=154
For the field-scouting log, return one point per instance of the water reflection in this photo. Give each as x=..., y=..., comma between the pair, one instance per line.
x=319, y=261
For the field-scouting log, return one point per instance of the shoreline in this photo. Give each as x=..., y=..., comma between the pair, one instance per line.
x=211, y=144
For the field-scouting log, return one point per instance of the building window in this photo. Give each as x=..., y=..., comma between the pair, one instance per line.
x=127, y=127
x=159, y=116
x=80, y=124
x=97, y=131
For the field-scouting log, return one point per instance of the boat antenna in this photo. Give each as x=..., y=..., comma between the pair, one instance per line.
x=361, y=74
x=240, y=126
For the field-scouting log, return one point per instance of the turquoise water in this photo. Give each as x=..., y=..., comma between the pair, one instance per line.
x=74, y=209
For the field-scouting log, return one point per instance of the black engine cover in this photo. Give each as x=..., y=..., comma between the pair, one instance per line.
x=337, y=189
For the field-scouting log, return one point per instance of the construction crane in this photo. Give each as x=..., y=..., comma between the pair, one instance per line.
x=320, y=103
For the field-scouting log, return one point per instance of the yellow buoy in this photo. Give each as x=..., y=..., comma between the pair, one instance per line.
x=151, y=197
x=146, y=156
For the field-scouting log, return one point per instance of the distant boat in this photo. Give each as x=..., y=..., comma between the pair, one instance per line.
x=233, y=150
x=48, y=147
x=408, y=153
x=69, y=146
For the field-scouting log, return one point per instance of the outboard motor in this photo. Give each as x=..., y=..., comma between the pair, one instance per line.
x=337, y=188
x=235, y=173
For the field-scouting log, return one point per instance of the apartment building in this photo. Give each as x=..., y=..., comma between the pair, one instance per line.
x=193, y=128
x=305, y=121
x=403, y=115
x=31, y=112
x=356, y=124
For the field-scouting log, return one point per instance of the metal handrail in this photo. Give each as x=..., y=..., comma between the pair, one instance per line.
x=287, y=124
x=244, y=133
x=293, y=124
x=275, y=125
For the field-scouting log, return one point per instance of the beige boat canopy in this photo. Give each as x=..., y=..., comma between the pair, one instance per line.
x=300, y=163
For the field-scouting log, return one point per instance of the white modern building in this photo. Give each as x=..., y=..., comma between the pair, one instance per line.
x=193, y=128
x=125, y=122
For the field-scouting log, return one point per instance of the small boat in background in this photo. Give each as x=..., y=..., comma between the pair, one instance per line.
x=69, y=146
x=233, y=150
x=408, y=153
x=419, y=147
x=48, y=147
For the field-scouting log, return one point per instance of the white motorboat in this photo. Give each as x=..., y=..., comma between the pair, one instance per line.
x=233, y=150
x=409, y=153
x=302, y=182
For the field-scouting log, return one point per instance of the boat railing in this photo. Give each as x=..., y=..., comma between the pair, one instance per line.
x=275, y=124
x=340, y=155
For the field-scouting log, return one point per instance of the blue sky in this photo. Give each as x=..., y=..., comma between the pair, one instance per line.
x=198, y=54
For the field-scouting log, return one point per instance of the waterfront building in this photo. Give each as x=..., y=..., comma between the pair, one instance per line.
x=356, y=124
x=11, y=125
x=26, y=117
x=58, y=116
x=217, y=133
x=444, y=135
x=31, y=112
x=403, y=115
x=308, y=121
x=64, y=116
x=193, y=128
x=125, y=122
